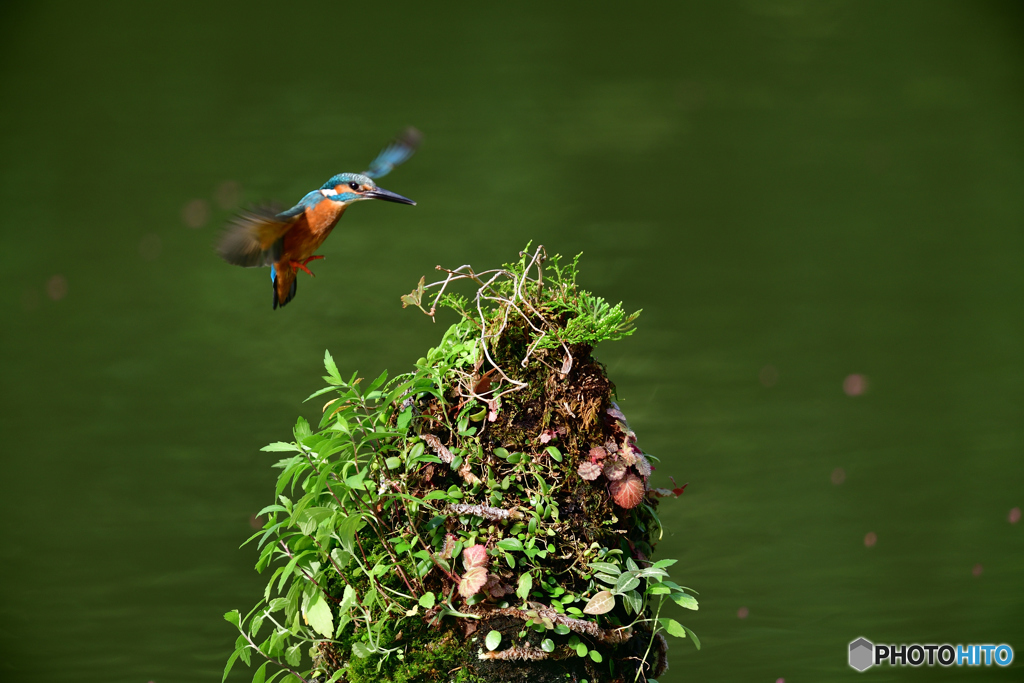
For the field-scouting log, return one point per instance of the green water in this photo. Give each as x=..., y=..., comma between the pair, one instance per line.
x=794, y=193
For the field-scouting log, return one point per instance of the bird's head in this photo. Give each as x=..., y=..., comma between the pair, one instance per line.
x=354, y=187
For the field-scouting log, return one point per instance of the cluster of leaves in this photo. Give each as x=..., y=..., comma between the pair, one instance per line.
x=404, y=477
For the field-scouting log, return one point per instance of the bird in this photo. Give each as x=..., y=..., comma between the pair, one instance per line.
x=287, y=240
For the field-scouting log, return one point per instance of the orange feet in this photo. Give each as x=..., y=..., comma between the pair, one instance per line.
x=301, y=265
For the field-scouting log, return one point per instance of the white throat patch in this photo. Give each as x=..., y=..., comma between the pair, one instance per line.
x=328, y=193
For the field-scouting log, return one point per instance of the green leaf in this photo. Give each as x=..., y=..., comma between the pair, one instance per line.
x=596, y=656
x=347, y=530
x=301, y=430
x=633, y=601
x=601, y=603
x=493, y=640
x=331, y=368
x=319, y=616
x=547, y=645
x=281, y=446
x=231, y=663
x=293, y=655
x=393, y=462
x=427, y=600
x=525, y=585
x=696, y=640
x=581, y=650
x=341, y=557
x=685, y=600
x=348, y=600
x=261, y=673
x=361, y=650
x=661, y=564
x=626, y=582
x=311, y=518
x=673, y=627
x=510, y=544
x=233, y=617
x=606, y=567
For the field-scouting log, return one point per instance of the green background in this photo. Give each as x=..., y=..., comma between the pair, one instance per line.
x=793, y=192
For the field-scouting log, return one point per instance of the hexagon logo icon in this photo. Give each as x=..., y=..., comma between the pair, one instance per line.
x=862, y=653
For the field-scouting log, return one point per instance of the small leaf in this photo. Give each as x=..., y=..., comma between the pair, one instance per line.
x=475, y=556
x=581, y=650
x=293, y=655
x=626, y=582
x=393, y=462
x=696, y=640
x=685, y=600
x=415, y=297
x=231, y=663
x=493, y=640
x=319, y=616
x=606, y=567
x=673, y=627
x=661, y=564
x=472, y=581
x=525, y=585
x=547, y=645
x=427, y=600
x=233, y=618
x=261, y=673
x=331, y=368
x=601, y=603
x=554, y=453
x=596, y=656
x=510, y=544
x=361, y=650
x=280, y=446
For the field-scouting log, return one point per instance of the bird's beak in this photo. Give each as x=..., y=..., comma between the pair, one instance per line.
x=388, y=196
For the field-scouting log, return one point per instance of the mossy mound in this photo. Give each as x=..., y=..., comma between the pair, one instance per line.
x=486, y=517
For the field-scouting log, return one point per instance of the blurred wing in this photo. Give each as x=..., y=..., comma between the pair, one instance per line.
x=396, y=153
x=254, y=237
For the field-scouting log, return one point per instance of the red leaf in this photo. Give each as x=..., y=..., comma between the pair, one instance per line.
x=472, y=581
x=628, y=491
x=475, y=556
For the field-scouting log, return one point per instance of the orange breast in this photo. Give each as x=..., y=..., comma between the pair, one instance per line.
x=311, y=230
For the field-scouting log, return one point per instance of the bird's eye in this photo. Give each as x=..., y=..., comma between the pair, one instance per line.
x=354, y=185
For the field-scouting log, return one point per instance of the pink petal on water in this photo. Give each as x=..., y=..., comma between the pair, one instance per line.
x=870, y=539
x=855, y=385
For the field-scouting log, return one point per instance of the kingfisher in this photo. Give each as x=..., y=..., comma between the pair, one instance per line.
x=287, y=241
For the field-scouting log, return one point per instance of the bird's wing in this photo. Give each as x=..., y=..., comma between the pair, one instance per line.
x=254, y=237
x=399, y=151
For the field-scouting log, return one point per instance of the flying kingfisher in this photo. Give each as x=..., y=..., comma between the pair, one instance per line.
x=286, y=241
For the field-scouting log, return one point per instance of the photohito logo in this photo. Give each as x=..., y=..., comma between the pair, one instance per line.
x=864, y=654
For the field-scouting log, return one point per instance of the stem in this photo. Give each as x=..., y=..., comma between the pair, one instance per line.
x=650, y=644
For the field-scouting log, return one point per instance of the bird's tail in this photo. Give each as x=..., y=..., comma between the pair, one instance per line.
x=284, y=284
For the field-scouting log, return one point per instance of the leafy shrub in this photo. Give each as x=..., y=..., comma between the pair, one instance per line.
x=488, y=509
